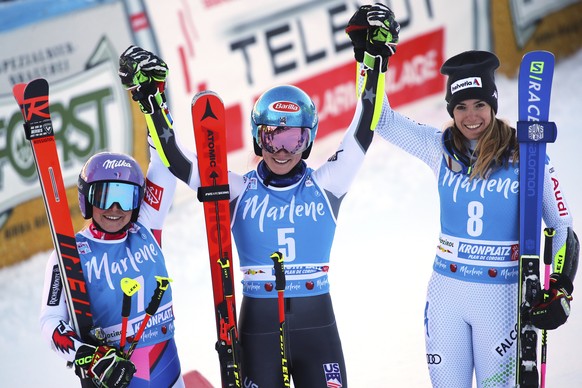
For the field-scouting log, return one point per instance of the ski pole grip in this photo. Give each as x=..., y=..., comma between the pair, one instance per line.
x=549, y=234
x=163, y=284
x=536, y=132
x=277, y=258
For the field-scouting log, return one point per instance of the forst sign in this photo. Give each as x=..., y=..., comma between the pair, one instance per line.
x=86, y=118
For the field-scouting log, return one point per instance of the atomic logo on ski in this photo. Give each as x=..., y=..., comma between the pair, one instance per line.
x=208, y=112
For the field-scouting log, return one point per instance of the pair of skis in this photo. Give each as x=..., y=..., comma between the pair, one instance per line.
x=33, y=100
x=533, y=132
x=208, y=120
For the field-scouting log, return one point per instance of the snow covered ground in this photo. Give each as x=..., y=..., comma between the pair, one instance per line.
x=387, y=229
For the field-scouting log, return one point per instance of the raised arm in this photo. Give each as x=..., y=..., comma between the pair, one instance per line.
x=144, y=74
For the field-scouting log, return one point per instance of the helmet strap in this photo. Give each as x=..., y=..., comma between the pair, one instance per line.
x=257, y=148
x=307, y=151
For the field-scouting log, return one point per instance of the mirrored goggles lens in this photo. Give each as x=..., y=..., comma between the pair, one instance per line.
x=292, y=139
x=104, y=194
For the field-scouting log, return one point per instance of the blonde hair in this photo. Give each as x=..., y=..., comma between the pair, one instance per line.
x=496, y=147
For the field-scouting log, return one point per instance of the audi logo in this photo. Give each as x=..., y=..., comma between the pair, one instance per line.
x=433, y=359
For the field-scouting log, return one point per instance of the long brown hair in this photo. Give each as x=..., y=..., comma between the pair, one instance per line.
x=496, y=147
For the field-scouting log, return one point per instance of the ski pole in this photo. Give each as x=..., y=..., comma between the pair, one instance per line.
x=129, y=287
x=280, y=283
x=549, y=234
x=163, y=284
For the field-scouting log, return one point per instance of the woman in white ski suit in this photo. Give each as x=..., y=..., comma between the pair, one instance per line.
x=471, y=306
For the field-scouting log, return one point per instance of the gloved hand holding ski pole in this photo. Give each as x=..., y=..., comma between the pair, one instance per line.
x=105, y=366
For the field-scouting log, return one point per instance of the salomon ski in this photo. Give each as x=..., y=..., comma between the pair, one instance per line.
x=533, y=132
x=33, y=99
x=210, y=135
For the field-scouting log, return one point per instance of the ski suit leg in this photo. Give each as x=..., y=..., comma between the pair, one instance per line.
x=316, y=353
x=449, y=350
x=260, y=343
x=470, y=325
x=493, y=318
x=313, y=345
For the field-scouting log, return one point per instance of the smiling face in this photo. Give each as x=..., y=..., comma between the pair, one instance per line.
x=472, y=117
x=281, y=162
x=111, y=220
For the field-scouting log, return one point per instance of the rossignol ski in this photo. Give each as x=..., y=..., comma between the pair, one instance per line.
x=33, y=99
x=208, y=120
x=533, y=132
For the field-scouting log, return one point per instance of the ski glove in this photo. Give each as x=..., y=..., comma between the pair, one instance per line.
x=554, y=310
x=357, y=30
x=383, y=32
x=373, y=29
x=144, y=74
x=104, y=366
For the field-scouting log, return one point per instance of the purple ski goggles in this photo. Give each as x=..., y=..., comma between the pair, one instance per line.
x=104, y=194
x=294, y=140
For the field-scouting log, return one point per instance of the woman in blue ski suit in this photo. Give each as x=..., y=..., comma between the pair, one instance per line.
x=471, y=306
x=126, y=213
x=283, y=206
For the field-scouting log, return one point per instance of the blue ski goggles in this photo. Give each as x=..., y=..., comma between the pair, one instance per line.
x=294, y=140
x=104, y=194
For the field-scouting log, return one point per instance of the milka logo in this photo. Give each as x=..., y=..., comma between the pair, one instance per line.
x=465, y=83
x=277, y=213
x=110, y=164
x=102, y=268
x=483, y=186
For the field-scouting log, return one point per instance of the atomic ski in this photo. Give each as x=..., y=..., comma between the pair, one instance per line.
x=210, y=135
x=533, y=132
x=33, y=99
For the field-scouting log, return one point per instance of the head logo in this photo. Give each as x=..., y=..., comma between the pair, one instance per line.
x=284, y=106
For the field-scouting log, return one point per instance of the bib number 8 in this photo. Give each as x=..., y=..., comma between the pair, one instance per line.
x=475, y=221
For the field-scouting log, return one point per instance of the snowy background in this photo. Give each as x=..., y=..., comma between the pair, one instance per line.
x=387, y=228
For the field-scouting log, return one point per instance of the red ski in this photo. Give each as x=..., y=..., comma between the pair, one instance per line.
x=210, y=135
x=34, y=104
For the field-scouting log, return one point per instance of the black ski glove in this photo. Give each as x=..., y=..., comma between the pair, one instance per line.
x=554, y=310
x=144, y=74
x=383, y=33
x=357, y=30
x=105, y=366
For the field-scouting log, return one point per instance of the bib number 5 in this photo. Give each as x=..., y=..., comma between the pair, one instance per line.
x=286, y=243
